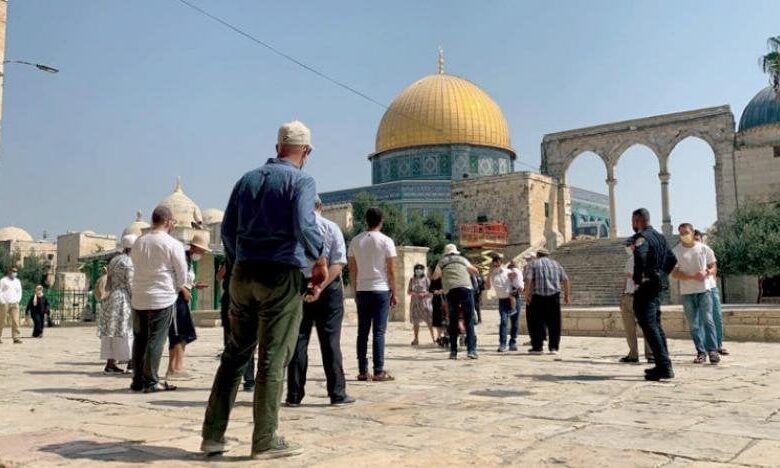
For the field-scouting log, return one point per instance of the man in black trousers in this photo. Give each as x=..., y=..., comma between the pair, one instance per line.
x=326, y=313
x=652, y=257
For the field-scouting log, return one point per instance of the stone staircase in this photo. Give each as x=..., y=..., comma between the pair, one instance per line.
x=595, y=268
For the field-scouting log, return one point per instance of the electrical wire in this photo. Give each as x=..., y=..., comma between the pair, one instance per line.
x=309, y=68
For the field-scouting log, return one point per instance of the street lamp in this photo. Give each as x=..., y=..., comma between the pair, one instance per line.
x=39, y=66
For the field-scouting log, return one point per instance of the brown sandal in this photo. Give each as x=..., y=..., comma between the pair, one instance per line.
x=364, y=377
x=383, y=377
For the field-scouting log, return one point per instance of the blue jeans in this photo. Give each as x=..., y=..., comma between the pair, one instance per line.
x=717, y=315
x=461, y=300
x=373, y=309
x=508, y=316
x=698, y=311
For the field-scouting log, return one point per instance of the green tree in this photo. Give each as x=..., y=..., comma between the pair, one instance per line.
x=749, y=243
x=770, y=62
x=6, y=261
x=33, y=271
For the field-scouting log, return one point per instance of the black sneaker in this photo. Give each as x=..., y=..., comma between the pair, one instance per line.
x=292, y=404
x=454, y=356
x=512, y=347
x=629, y=359
x=661, y=374
x=347, y=400
x=281, y=448
x=249, y=387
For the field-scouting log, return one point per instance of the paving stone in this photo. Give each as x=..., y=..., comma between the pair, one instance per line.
x=581, y=408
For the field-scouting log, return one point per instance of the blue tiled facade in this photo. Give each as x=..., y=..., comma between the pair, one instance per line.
x=418, y=180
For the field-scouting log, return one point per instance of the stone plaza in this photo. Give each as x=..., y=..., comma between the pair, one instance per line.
x=58, y=409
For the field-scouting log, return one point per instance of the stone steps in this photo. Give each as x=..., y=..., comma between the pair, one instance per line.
x=595, y=268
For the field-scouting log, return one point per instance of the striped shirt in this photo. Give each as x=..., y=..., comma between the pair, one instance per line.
x=546, y=276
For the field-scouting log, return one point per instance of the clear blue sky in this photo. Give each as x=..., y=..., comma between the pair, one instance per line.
x=150, y=90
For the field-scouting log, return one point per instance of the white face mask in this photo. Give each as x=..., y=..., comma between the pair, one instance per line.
x=196, y=257
x=14, y=275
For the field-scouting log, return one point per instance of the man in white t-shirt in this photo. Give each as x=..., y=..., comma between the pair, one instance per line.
x=160, y=274
x=372, y=273
x=712, y=286
x=693, y=264
x=627, y=311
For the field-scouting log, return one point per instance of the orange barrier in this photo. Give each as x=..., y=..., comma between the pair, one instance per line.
x=480, y=235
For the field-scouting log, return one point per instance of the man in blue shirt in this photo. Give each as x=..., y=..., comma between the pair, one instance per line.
x=270, y=233
x=326, y=314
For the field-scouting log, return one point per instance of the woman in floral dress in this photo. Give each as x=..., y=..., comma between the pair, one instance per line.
x=115, y=323
x=422, y=309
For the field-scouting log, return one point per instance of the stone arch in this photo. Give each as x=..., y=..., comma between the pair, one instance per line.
x=660, y=133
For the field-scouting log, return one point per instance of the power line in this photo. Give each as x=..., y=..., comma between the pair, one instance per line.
x=310, y=68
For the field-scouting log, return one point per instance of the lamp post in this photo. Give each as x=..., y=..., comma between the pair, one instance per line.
x=39, y=66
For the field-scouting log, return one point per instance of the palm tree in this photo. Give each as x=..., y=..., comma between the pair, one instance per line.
x=770, y=63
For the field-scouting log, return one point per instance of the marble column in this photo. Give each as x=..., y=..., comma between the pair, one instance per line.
x=666, y=216
x=611, y=183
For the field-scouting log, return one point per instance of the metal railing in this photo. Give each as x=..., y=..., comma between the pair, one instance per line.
x=67, y=305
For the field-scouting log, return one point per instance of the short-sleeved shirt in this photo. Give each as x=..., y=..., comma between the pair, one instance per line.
x=691, y=260
x=334, y=249
x=454, y=272
x=629, y=270
x=501, y=283
x=371, y=249
x=546, y=276
x=711, y=281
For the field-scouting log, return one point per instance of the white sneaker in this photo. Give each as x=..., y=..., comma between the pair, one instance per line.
x=552, y=351
x=211, y=447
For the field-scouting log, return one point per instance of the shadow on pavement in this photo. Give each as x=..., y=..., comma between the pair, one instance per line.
x=579, y=378
x=103, y=391
x=190, y=403
x=127, y=452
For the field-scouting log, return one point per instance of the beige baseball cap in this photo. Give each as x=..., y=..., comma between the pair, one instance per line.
x=294, y=133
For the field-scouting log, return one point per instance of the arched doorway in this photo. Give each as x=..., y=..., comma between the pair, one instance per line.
x=636, y=176
x=586, y=178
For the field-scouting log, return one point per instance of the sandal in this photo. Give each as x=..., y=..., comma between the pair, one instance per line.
x=383, y=377
x=161, y=387
x=415, y=343
x=364, y=377
x=723, y=351
x=701, y=358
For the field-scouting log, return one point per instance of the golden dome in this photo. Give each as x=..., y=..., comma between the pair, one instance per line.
x=443, y=109
x=13, y=233
x=185, y=211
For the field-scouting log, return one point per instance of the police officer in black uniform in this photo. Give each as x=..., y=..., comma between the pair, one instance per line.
x=652, y=257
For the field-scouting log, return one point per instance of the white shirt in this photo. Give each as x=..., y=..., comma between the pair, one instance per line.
x=630, y=285
x=160, y=271
x=10, y=290
x=691, y=260
x=711, y=281
x=501, y=283
x=371, y=249
x=517, y=281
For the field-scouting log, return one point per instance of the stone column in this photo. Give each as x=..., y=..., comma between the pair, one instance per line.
x=666, y=217
x=407, y=258
x=563, y=200
x=611, y=183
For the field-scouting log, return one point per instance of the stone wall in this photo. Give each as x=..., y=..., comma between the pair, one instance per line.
x=740, y=323
x=341, y=214
x=404, y=270
x=522, y=200
x=74, y=245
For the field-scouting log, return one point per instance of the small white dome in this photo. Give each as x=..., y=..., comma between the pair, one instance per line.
x=136, y=227
x=212, y=216
x=12, y=233
x=185, y=211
